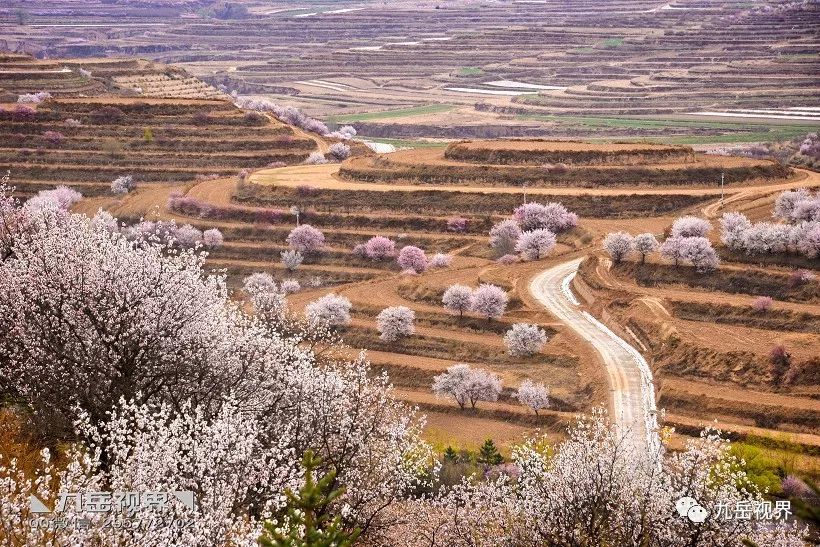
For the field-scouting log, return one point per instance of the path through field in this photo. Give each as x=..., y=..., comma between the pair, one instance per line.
x=630, y=380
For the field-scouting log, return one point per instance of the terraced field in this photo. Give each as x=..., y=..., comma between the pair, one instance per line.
x=613, y=187
x=502, y=69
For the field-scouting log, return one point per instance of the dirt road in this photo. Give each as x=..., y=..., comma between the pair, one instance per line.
x=630, y=380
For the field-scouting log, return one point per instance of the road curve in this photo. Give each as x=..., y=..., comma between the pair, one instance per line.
x=630, y=379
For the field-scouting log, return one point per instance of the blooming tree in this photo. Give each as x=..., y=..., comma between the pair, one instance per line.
x=213, y=238
x=379, y=248
x=187, y=237
x=699, y=251
x=441, y=260
x=122, y=185
x=762, y=304
x=644, y=244
x=53, y=137
x=490, y=301
x=331, y=309
x=523, y=340
x=690, y=226
x=552, y=216
x=618, y=245
x=504, y=236
x=458, y=299
x=395, y=322
x=456, y=224
x=672, y=249
x=306, y=239
x=291, y=259
x=785, y=202
x=534, y=396
x=733, y=227
x=339, y=151
x=60, y=198
x=467, y=385
x=290, y=286
x=259, y=282
x=535, y=244
x=412, y=258
x=316, y=158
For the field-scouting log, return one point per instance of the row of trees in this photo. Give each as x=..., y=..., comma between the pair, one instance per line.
x=739, y=234
x=532, y=230
x=467, y=386
x=686, y=242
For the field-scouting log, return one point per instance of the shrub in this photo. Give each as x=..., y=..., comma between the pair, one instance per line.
x=53, y=137
x=379, y=248
x=34, y=98
x=690, y=226
x=213, y=238
x=508, y=259
x=360, y=250
x=780, y=361
x=523, y=340
x=339, y=151
x=645, y=244
x=122, y=185
x=305, y=190
x=316, y=158
x=762, y=304
x=618, y=245
x=331, y=309
x=457, y=224
x=412, y=258
x=535, y=244
x=306, y=239
x=441, y=260
x=23, y=113
x=290, y=286
x=800, y=277
x=504, y=236
x=490, y=301
x=254, y=118
x=71, y=122
x=107, y=115
x=147, y=135
x=458, y=298
x=291, y=259
x=395, y=322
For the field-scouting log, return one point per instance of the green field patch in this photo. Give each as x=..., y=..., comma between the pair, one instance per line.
x=469, y=71
x=612, y=42
x=389, y=114
x=406, y=143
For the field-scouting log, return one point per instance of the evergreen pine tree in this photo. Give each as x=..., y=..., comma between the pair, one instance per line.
x=450, y=455
x=305, y=521
x=488, y=454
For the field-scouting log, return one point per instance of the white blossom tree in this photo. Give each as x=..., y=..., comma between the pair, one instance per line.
x=533, y=395
x=441, y=260
x=259, y=282
x=645, y=244
x=535, y=244
x=291, y=259
x=504, y=236
x=123, y=185
x=490, y=301
x=523, y=339
x=552, y=216
x=458, y=299
x=699, y=251
x=467, y=385
x=690, y=226
x=331, y=309
x=396, y=322
x=213, y=238
x=672, y=249
x=618, y=245
x=733, y=227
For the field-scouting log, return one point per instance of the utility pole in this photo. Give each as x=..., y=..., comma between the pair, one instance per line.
x=295, y=211
x=721, y=188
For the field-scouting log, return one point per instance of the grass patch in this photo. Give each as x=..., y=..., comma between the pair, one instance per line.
x=469, y=71
x=389, y=114
x=613, y=42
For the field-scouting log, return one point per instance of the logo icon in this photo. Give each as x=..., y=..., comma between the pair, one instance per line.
x=690, y=508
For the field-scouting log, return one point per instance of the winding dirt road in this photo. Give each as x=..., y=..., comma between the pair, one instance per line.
x=630, y=379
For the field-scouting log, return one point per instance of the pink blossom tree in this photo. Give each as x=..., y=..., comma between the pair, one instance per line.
x=458, y=299
x=395, y=322
x=457, y=224
x=535, y=244
x=53, y=137
x=379, y=248
x=762, y=304
x=523, y=340
x=618, y=245
x=552, y=216
x=412, y=258
x=504, y=236
x=490, y=301
x=467, y=385
x=690, y=226
x=60, y=198
x=534, y=396
x=645, y=244
x=306, y=239
x=213, y=238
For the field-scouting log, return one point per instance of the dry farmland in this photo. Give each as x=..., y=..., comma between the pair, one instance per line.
x=695, y=71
